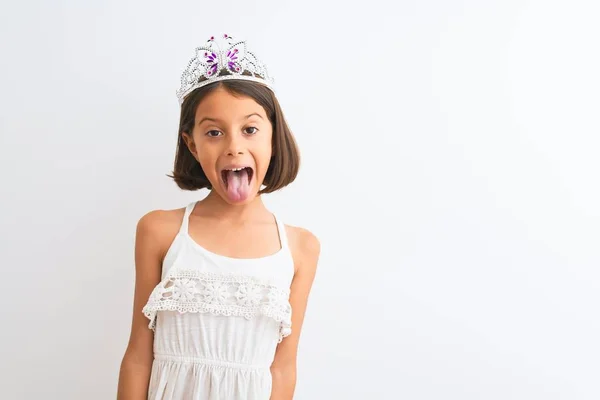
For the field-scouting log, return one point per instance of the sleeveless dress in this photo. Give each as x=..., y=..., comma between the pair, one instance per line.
x=217, y=321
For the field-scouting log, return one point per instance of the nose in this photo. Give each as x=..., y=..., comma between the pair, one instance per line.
x=235, y=146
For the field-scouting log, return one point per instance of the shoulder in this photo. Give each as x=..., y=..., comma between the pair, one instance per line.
x=303, y=240
x=158, y=228
x=305, y=247
x=155, y=221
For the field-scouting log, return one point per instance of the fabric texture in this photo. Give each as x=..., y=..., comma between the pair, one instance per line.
x=217, y=321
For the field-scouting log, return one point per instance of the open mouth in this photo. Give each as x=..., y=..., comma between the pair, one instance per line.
x=229, y=174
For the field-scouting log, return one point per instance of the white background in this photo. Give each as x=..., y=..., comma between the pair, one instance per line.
x=450, y=170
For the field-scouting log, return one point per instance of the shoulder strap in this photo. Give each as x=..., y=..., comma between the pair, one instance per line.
x=186, y=217
x=282, y=234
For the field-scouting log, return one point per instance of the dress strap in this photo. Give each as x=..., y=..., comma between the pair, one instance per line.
x=282, y=234
x=186, y=217
x=190, y=207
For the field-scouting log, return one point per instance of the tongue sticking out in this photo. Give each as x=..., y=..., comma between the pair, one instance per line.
x=238, y=186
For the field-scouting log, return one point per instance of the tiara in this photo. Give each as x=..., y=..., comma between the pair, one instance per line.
x=216, y=62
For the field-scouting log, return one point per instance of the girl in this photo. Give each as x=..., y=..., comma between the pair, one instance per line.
x=222, y=285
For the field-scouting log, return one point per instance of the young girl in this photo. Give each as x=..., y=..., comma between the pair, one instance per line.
x=222, y=285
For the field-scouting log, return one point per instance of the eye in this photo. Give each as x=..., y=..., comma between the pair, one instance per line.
x=255, y=129
x=216, y=133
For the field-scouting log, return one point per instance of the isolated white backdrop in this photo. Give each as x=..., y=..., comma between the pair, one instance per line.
x=450, y=170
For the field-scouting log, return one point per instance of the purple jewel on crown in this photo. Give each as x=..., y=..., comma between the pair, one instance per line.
x=219, y=60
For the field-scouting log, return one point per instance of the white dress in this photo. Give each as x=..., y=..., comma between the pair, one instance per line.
x=217, y=321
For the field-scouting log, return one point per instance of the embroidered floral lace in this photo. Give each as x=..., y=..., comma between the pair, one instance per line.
x=221, y=294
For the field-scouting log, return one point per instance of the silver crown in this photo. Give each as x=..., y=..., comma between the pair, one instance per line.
x=222, y=61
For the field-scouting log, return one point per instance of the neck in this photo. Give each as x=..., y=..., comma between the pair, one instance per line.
x=214, y=206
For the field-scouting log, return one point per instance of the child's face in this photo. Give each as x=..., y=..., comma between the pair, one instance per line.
x=229, y=133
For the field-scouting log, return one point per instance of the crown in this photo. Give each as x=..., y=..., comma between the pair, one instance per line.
x=222, y=60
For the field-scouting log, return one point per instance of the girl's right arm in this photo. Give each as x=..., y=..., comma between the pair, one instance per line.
x=136, y=366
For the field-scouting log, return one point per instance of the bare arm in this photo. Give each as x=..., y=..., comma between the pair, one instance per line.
x=136, y=366
x=306, y=250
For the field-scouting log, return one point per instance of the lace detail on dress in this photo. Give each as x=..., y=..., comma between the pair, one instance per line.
x=221, y=294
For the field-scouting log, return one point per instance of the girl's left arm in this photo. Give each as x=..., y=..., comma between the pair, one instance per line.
x=305, y=250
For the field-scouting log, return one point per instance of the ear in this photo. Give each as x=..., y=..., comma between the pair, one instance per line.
x=189, y=142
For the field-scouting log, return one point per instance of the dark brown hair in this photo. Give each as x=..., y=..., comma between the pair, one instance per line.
x=285, y=159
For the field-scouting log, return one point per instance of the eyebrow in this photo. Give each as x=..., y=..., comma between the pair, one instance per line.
x=218, y=120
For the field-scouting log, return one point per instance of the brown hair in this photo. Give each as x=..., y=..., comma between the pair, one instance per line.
x=285, y=159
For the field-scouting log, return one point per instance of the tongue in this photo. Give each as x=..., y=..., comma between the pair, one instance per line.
x=237, y=185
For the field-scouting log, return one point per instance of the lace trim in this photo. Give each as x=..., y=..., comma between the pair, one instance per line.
x=190, y=290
